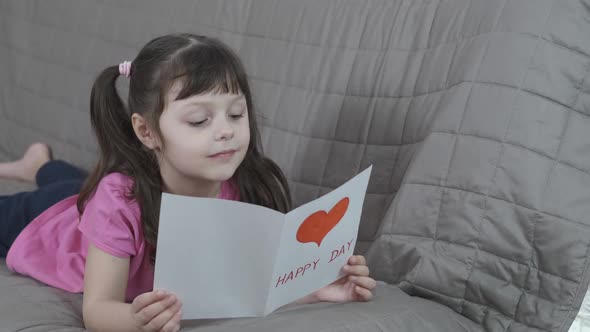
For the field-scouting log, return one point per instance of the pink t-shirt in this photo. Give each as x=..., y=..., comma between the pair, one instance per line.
x=53, y=247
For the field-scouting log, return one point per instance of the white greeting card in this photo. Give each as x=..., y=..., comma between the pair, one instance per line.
x=231, y=259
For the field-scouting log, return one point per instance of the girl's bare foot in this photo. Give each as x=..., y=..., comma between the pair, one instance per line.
x=26, y=168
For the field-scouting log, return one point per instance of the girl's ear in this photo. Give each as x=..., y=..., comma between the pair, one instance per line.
x=144, y=133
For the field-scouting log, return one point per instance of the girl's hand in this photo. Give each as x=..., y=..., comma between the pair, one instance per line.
x=157, y=311
x=355, y=286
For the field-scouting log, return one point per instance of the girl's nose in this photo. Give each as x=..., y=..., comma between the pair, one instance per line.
x=224, y=131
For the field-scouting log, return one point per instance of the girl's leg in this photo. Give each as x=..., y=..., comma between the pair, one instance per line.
x=18, y=210
x=37, y=167
x=58, y=171
x=56, y=180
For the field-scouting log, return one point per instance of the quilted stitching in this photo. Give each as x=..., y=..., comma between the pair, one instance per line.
x=473, y=113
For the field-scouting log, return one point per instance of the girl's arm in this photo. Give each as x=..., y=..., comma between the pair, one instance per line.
x=104, y=307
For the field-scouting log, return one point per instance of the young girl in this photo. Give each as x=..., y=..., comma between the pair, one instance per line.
x=189, y=128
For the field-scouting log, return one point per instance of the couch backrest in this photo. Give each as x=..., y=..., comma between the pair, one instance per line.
x=474, y=115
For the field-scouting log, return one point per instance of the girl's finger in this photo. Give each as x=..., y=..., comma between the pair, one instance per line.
x=146, y=299
x=357, y=270
x=365, y=282
x=363, y=293
x=158, y=322
x=173, y=324
x=357, y=260
x=147, y=314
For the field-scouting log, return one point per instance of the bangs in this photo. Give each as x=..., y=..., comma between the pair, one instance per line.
x=209, y=70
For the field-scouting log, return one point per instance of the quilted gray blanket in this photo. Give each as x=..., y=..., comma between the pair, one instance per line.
x=474, y=113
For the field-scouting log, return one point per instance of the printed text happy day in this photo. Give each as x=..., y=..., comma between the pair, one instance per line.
x=311, y=266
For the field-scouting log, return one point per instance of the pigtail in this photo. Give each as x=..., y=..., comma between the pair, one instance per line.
x=110, y=121
x=121, y=151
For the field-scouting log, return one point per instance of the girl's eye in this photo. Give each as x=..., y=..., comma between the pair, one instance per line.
x=236, y=116
x=197, y=123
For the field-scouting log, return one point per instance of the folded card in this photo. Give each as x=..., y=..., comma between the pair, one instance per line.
x=231, y=259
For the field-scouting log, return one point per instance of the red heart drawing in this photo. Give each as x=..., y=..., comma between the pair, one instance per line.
x=315, y=227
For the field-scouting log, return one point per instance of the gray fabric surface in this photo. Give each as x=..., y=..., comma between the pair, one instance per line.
x=27, y=305
x=474, y=114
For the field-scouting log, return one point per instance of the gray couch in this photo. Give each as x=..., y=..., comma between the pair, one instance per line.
x=475, y=115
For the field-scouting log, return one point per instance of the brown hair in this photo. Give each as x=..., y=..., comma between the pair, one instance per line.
x=203, y=65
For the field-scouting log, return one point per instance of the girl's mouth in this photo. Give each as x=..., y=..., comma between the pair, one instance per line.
x=223, y=154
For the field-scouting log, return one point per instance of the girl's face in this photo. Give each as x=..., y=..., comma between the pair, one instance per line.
x=205, y=137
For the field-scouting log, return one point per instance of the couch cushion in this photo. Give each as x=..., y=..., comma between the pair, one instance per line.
x=474, y=114
x=27, y=305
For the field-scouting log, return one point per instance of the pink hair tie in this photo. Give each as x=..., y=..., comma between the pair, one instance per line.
x=125, y=68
